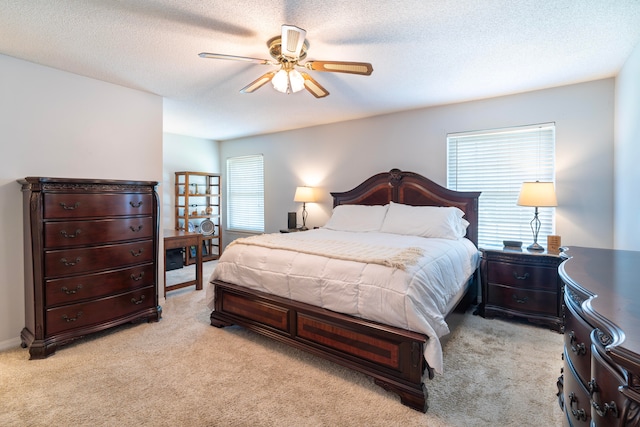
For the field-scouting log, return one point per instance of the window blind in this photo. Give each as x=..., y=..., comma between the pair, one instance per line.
x=497, y=162
x=245, y=193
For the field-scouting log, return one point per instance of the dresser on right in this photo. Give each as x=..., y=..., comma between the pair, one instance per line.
x=600, y=380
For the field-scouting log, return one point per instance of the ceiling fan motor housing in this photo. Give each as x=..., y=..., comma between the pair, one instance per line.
x=275, y=50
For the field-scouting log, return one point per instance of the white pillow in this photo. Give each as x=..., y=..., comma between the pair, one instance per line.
x=425, y=221
x=357, y=218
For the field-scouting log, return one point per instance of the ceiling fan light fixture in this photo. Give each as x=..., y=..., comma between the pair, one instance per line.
x=290, y=81
x=288, y=50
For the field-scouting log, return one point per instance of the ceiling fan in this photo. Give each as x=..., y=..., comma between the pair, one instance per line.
x=287, y=51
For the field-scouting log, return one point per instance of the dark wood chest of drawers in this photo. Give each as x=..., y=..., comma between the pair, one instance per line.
x=91, y=251
x=521, y=284
x=600, y=381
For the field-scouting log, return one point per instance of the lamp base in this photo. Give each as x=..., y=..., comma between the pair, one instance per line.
x=535, y=247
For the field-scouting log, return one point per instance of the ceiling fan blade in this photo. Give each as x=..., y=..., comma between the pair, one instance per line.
x=292, y=41
x=235, y=58
x=313, y=86
x=258, y=83
x=362, y=68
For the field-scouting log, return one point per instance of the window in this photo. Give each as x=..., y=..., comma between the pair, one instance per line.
x=245, y=193
x=497, y=162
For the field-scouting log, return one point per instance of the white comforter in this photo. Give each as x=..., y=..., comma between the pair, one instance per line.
x=416, y=298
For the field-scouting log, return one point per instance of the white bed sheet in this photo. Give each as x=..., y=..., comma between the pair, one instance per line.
x=416, y=299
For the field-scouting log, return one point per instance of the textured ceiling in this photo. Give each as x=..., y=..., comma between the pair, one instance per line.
x=424, y=52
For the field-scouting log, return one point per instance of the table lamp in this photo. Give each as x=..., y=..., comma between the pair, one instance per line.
x=537, y=194
x=304, y=195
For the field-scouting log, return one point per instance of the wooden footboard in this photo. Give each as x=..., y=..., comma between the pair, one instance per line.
x=392, y=356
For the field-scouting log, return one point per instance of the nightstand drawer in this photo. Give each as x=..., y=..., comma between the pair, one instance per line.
x=523, y=276
x=523, y=300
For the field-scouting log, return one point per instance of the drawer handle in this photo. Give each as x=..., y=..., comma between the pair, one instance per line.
x=71, y=319
x=70, y=263
x=520, y=300
x=69, y=208
x=580, y=349
x=579, y=414
x=136, y=204
x=525, y=276
x=139, y=301
x=137, y=253
x=71, y=291
x=138, y=277
x=135, y=229
x=70, y=236
x=604, y=409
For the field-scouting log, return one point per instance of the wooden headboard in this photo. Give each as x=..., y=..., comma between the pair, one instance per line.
x=410, y=188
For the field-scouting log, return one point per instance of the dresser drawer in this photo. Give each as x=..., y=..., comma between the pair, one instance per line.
x=606, y=401
x=578, y=343
x=576, y=397
x=73, y=289
x=523, y=275
x=67, y=262
x=73, y=233
x=94, y=312
x=523, y=300
x=72, y=205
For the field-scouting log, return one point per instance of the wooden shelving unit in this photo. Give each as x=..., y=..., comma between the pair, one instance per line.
x=197, y=199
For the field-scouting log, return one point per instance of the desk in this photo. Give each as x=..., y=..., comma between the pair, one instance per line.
x=183, y=239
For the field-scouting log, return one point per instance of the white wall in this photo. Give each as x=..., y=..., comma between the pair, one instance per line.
x=339, y=156
x=627, y=155
x=183, y=153
x=59, y=124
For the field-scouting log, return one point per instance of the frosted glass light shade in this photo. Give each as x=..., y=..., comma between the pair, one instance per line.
x=280, y=81
x=288, y=81
x=296, y=80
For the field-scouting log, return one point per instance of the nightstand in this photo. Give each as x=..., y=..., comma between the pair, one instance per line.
x=521, y=284
x=291, y=230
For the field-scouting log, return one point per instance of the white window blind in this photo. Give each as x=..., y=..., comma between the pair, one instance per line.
x=496, y=163
x=245, y=193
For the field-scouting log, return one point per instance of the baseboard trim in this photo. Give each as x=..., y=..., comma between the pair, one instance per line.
x=9, y=344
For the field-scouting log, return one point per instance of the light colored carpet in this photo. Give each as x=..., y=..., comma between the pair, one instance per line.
x=184, y=372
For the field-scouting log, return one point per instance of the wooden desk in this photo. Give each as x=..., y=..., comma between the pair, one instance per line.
x=183, y=239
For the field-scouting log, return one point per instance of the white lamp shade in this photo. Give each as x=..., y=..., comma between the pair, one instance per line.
x=304, y=194
x=537, y=194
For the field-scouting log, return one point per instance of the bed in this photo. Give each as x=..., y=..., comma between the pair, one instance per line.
x=399, y=354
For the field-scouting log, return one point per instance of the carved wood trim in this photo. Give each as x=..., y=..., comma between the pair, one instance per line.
x=125, y=188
